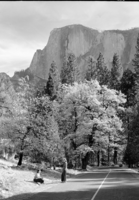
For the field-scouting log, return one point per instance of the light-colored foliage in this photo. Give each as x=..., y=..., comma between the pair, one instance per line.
x=93, y=105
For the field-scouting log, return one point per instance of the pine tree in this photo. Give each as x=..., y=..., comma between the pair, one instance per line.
x=78, y=74
x=132, y=149
x=91, y=67
x=132, y=101
x=115, y=76
x=102, y=74
x=128, y=88
x=53, y=81
x=135, y=63
x=130, y=83
x=106, y=75
x=44, y=127
x=68, y=70
x=99, y=67
x=116, y=72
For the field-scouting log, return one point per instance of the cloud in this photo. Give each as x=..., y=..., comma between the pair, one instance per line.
x=15, y=58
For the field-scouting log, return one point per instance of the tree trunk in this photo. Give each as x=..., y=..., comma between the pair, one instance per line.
x=108, y=155
x=99, y=158
x=85, y=161
x=20, y=158
x=54, y=167
x=129, y=162
x=115, y=156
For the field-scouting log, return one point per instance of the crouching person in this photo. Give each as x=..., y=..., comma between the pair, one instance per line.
x=38, y=178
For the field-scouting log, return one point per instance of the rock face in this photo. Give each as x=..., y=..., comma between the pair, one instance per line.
x=6, y=86
x=83, y=41
x=7, y=93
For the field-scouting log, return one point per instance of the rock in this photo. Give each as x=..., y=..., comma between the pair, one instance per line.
x=84, y=41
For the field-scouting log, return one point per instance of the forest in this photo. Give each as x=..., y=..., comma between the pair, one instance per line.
x=88, y=118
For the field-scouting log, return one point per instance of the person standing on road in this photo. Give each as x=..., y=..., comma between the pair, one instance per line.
x=64, y=171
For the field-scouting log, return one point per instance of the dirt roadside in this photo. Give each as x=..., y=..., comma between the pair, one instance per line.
x=14, y=181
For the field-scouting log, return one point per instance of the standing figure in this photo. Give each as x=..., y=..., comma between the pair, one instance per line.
x=38, y=178
x=64, y=171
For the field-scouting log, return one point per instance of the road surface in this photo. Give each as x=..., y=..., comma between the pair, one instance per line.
x=102, y=184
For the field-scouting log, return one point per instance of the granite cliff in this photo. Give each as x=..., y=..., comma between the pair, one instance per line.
x=84, y=41
x=7, y=93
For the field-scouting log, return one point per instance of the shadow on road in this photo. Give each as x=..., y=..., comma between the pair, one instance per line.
x=107, y=192
x=70, y=195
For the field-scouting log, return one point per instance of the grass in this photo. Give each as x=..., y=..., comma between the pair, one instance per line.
x=19, y=179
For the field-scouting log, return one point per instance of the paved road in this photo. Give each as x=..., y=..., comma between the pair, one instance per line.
x=104, y=184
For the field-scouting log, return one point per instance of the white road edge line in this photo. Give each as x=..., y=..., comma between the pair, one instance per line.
x=100, y=186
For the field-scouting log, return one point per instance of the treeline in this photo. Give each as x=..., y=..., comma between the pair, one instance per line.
x=88, y=117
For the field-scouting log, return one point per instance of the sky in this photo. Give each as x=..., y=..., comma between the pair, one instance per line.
x=25, y=26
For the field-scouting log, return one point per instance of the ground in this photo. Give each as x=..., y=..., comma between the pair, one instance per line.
x=117, y=183
x=15, y=181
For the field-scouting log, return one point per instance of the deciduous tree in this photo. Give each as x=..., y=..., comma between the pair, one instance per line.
x=86, y=105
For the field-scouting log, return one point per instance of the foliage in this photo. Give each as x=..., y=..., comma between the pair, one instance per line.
x=86, y=105
x=32, y=127
x=130, y=83
x=91, y=67
x=21, y=118
x=23, y=73
x=116, y=72
x=53, y=82
x=102, y=74
x=135, y=63
x=128, y=87
x=46, y=141
x=68, y=69
x=132, y=150
x=76, y=117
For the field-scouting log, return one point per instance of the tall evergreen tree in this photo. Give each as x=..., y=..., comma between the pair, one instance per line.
x=132, y=90
x=78, y=74
x=132, y=149
x=53, y=81
x=68, y=70
x=45, y=141
x=105, y=80
x=99, y=67
x=116, y=72
x=91, y=67
x=135, y=63
x=127, y=86
x=102, y=74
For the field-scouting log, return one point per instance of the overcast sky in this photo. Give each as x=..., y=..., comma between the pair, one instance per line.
x=25, y=26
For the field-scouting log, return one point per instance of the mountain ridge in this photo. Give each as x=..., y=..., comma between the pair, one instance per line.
x=84, y=41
